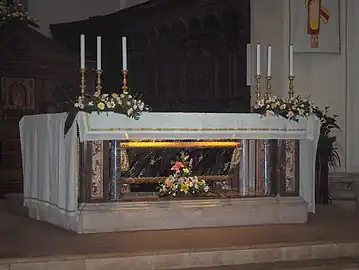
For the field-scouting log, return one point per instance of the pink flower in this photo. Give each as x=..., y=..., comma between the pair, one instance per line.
x=178, y=165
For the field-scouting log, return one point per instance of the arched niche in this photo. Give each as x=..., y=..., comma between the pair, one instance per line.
x=211, y=23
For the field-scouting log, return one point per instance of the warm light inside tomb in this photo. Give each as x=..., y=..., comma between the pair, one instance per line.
x=179, y=144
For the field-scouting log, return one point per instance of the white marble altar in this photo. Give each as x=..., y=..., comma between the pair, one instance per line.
x=51, y=165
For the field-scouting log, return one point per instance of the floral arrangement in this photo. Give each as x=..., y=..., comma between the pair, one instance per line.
x=297, y=107
x=118, y=103
x=181, y=182
x=15, y=12
x=290, y=108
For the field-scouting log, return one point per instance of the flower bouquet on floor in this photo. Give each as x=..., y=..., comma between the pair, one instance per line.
x=181, y=182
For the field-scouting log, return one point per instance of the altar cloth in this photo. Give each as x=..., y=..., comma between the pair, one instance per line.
x=187, y=126
x=50, y=169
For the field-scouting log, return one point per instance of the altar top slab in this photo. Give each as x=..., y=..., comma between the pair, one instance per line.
x=193, y=126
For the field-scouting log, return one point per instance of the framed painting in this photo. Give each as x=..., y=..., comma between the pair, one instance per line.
x=18, y=93
x=315, y=26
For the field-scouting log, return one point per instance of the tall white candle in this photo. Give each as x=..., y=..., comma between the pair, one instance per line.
x=249, y=64
x=258, y=59
x=124, y=53
x=269, y=61
x=98, y=53
x=291, y=73
x=82, y=51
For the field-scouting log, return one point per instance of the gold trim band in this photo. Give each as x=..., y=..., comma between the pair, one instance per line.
x=139, y=180
x=178, y=144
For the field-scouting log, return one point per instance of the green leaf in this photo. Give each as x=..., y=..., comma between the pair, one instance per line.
x=71, y=116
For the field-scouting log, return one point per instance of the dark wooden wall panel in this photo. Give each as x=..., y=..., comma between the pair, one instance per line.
x=183, y=55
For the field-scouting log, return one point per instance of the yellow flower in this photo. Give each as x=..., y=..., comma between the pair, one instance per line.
x=184, y=188
x=101, y=106
x=114, y=95
x=186, y=170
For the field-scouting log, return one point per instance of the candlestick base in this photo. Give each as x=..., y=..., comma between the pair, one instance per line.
x=268, y=93
x=258, y=87
x=83, y=81
x=124, y=81
x=99, y=83
x=291, y=86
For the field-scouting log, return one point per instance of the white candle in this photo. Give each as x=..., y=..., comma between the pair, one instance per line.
x=291, y=73
x=124, y=53
x=249, y=64
x=258, y=59
x=82, y=50
x=98, y=53
x=269, y=61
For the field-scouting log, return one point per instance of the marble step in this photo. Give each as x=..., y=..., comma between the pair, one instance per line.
x=326, y=264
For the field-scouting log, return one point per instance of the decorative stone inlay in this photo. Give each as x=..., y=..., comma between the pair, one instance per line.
x=97, y=170
x=290, y=165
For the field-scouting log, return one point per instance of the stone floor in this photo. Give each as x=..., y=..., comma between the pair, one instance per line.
x=22, y=238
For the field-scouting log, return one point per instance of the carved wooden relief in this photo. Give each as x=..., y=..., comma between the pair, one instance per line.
x=18, y=93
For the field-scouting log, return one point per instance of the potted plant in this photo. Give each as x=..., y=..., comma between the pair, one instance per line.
x=327, y=154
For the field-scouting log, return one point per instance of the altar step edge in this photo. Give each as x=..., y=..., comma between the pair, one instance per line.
x=190, y=259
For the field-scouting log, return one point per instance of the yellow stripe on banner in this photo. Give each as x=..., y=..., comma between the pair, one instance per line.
x=324, y=15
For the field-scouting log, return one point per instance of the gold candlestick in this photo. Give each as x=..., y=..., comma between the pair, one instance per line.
x=268, y=93
x=258, y=87
x=124, y=81
x=291, y=86
x=98, y=84
x=83, y=81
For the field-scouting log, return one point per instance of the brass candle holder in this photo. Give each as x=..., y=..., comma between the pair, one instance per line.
x=291, y=86
x=99, y=82
x=124, y=81
x=83, y=81
x=258, y=87
x=268, y=93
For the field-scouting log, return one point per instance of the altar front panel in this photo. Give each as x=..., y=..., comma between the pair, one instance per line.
x=243, y=168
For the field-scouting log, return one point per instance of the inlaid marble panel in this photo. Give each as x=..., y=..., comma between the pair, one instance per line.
x=97, y=170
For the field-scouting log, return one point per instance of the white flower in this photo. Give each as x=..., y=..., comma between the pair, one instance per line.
x=129, y=111
x=290, y=114
x=269, y=113
x=261, y=103
x=206, y=189
x=128, y=103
